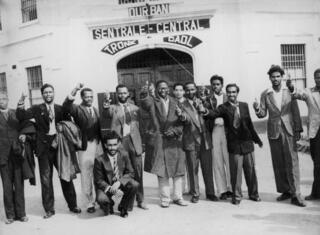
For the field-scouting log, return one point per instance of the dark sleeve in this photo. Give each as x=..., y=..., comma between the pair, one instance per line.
x=297, y=124
x=98, y=175
x=213, y=114
x=254, y=134
x=70, y=107
x=128, y=173
x=25, y=114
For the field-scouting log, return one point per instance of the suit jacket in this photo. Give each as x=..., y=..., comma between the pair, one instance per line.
x=239, y=140
x=42, y=121
x=167, y=158
x=288, y=116
x=211, y=104
x=312, y=98
x=116, y=116
x=103, y=171
x=194, y=129
x=90, y=128
x=8, y=135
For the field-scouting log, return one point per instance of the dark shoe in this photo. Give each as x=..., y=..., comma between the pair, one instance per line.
x=9, y=221
x=284, y=196
x=24, y=219
x=91, y=210
x=311, y=197
x=123, y=213
x=223, y=196
x=75, y=210
x=194, y=199
x=49, y=214
x=298, y=202
x=235, y=201
x=229, y=194
x=256, y=199
x=212, y=198
x=143, y=206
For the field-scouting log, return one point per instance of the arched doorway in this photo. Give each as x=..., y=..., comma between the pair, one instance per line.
x=153, y=65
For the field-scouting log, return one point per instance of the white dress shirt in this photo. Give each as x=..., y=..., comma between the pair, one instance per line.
x=126, y=127
x=166, y=105
x=277, y=95
x=219, y=121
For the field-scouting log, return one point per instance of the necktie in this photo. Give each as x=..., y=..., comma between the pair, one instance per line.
x=5, y=115
x=51, y=115
x=236, y=118
x=90, y=112
x=127, y=115
x=115, y=169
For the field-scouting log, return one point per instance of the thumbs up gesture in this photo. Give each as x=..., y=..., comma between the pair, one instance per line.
x=22, y=98
x=256, y=104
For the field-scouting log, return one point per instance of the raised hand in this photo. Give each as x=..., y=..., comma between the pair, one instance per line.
x=79, y=86
x=22, y=98
x=256, y=104
x=290, y=85
x=107, y=100
x=178, y=110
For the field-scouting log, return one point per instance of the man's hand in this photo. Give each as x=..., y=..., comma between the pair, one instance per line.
x=114, y=187
x=256, y=104
x=290, y=85
x=107, y=100
x=22, y=99
x=201, y=108
x=178, y=111
x=22, y=138
x=78, y=87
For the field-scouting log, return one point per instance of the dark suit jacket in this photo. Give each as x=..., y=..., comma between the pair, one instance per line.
x=8, y=135
x=191, y=131
x=103, y=171
x=42, y=121
x=82, y=118
x=211, y=104
x=240, y=141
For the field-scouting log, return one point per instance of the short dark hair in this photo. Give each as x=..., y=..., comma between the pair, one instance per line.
x=178, y=84
x=110, y=135
x=275, y=68
x=316, y=71
x=232, y=85
x=189, y=83
x=86, y=89
x=216, y=77
x=161, y=81
x=121, y=86
x=46, y=85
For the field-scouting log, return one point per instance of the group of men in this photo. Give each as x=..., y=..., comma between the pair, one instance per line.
x=183, y=131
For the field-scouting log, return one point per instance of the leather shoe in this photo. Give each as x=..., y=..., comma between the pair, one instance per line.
x=180, y=202
x=9, y=221
x=164, y=204
x=284, y=196
x=75, y=210
x=212, y=198
x=194, y=199
x=24, y=219
x=143, y=206
x=229, y=194
x=256, y=199
x=223, y=196
x=124, y=213
x=311, y=197
x=297, y=201
x=91, y=210
x=235, y=201
x=49, y=214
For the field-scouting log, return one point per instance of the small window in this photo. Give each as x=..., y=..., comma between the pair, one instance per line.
x=293, y=58
x=29, y=10
x=3, y=83
x=34, y=84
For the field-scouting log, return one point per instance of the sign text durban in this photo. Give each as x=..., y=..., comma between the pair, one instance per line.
x=173, y=26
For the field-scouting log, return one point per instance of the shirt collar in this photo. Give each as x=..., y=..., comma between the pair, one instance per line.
x=270, y=89
x=234, y=104
x=4, y=110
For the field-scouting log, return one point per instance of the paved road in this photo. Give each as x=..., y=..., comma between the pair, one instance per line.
x=266, y=217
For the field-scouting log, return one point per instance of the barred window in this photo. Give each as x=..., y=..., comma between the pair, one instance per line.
x=3, y=83
x=29, y=10
x=293, y=58
x=34, y=84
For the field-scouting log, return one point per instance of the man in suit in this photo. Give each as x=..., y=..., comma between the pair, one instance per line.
x=125, y=118
x=87, y=118
x=113, y=174
x=312, y=98
x=197, y=144
x=10, y=165
x=46, y=116
x=240, y=138
x=220, y=154
x=284, y=128
x=166, y=161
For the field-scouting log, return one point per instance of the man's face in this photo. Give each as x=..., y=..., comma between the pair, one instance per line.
x=276, y=78
x=87, y=98
x=191, y=91
x=163, y=90
x=3, y=101
x=48, y=95
x=178, y=92
x=123, y=94
x=216, y=86
x=232, y=94
x=112, y=146
x=317, y=79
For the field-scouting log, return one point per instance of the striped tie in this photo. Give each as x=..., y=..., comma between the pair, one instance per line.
x=115, y=169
